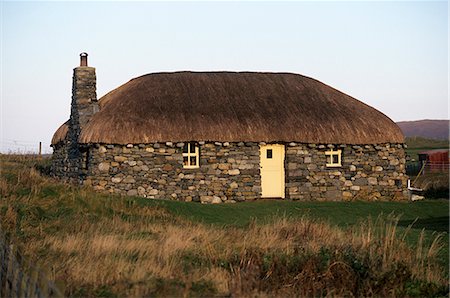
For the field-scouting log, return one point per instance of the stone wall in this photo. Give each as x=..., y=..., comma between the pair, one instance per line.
x=368, y=172
x=65, y=166
x=228, y=172
x=60, y=166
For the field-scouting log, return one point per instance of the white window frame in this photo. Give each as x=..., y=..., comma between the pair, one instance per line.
x=190, y=154
x=332, y=153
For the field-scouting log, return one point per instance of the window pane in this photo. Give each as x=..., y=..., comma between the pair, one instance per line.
x=192, y=147
x=328, y=159
x=269, y=153
x=193, y=161
x=185, y=148
x=335, y=158
x=185, y=161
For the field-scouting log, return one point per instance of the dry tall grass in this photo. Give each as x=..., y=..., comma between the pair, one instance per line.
x=95, y=245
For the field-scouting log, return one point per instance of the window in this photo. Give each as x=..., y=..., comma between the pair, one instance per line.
x=333, y=158
x=269, y=153
x=190, y=156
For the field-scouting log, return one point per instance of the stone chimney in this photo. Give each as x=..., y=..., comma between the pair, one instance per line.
x=84, y=106
x=84, y=96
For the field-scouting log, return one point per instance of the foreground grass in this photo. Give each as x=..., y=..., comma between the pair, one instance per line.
x=95, y=245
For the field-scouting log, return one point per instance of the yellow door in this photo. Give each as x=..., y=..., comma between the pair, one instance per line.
x=272, y=170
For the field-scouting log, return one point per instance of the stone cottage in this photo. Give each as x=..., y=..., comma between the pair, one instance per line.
x=228, y=136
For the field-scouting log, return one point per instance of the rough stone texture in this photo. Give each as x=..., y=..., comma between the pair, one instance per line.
x=368, y=172
x=228, y=172
x=70, y=158
x=231, y=173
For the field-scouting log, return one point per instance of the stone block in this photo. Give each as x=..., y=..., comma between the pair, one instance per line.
x=233, y=185
x=312, y=167
x=167, y=167
x=361, y=182
x=152, y=192
x=394, y=162
x=216, y=200
x=234, y=172
x=348, y=183
x=103, y=166
x=205, y=199
x=141, y=190
x=372, y=181
x=346, y=195
x=116, y=179
x=224, y=166
x=120, y=158
x=128, y=180
x=292, y=166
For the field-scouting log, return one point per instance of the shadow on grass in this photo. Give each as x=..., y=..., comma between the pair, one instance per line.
x=439, y=224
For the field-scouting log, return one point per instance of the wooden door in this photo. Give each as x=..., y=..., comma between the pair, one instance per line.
x=272, y=170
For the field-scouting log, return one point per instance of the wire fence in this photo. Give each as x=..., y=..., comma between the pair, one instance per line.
x=10, y=146
x=414, y=168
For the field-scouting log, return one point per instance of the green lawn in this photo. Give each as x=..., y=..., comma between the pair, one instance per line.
x=339, y=213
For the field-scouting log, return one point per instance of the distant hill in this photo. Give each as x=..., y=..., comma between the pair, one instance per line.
x=432, y=129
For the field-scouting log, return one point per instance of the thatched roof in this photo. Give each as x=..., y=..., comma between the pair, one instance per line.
x=235, y=106
x=60, y=133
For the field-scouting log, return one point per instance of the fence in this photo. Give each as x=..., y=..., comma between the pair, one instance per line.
x=15, y=282
x=413, y=169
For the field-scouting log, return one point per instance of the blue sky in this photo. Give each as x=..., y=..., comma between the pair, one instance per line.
x=390, y=55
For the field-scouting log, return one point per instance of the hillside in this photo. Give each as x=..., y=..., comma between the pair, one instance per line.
x=432, y=129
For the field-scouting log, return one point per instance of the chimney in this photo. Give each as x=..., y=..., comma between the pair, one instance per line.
x=83, y=59
x=84, y=96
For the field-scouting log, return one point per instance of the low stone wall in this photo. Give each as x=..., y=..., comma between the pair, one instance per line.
x=228, y=172
x=368, y=172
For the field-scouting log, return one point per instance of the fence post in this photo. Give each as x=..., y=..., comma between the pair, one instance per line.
x=43, y=285
x=9, y=271
x=2, y=263
x=32, y=282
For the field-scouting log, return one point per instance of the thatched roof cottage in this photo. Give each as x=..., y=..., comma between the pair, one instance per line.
x=228, y=136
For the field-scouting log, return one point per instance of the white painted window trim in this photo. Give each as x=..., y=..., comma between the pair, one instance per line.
x=331, y=153
x=189, y=154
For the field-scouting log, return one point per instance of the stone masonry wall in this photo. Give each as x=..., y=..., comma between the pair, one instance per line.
x=368, y=172
x=228, y=172
x=65, y=166
x=59, y=160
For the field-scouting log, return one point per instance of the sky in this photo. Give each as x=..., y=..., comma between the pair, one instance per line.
x=391, y=55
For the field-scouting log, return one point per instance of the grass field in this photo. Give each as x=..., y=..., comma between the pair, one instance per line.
x=99, y=245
